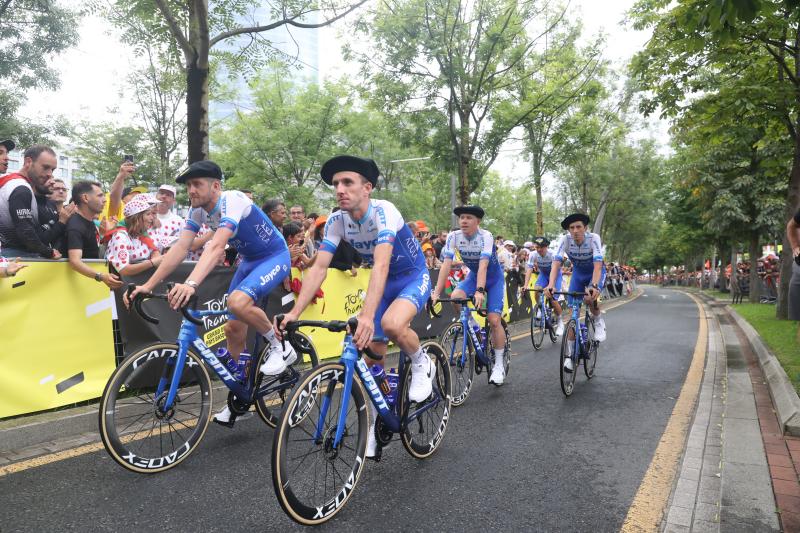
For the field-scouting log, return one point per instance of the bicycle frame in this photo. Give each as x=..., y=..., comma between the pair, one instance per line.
x=355, y=365
x=188, y=336
x=480, y=349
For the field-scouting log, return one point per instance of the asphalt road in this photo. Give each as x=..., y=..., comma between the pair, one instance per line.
x=520, y=457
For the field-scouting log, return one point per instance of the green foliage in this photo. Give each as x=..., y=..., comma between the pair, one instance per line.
x=100, y=149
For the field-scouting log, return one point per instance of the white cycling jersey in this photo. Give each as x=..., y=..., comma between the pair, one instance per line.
x=472, y=249
x=583, y=255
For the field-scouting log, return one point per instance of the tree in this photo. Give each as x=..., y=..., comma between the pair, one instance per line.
x=450, y=66
x=33, y=33
x=199, y=31
x=725, y=36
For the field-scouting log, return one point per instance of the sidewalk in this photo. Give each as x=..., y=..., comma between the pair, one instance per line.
x=739, y=472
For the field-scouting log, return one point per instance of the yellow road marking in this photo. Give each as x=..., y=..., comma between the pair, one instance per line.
x=647, y=509
x=96, y=446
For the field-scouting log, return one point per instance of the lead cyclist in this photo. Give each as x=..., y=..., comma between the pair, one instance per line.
x=234, y=219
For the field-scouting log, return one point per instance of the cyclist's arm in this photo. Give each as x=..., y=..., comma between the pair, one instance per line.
x=199, y=242
x=312, y=280
x=598, y=268
x=170, y=261
x=554, y=270
x=528, y=271
x=483, y=267
x=444, y=270
x=377, y=280
x=211, y=255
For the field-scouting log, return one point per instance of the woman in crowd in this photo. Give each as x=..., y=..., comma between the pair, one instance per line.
x=130, y=250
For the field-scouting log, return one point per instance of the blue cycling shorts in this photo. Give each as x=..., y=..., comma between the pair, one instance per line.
x=544, y=280
x=495, y=291
x=581, y=280
x=414, y=286
x=258, y=277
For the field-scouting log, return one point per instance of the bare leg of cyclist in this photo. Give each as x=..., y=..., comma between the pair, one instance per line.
x=557, y=316
x=396, y=324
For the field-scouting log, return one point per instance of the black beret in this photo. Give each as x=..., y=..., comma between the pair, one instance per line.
x=575, y=217
x=9, y=144
x=366, y=167
x=541, y=241
x=474, y=210
x=200, y=169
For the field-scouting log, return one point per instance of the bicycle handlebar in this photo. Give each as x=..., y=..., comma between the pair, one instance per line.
x=142, y=297
x=335, y=326
x=459, y=301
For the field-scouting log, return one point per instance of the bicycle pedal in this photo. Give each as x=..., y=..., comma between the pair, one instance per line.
x=229, y=424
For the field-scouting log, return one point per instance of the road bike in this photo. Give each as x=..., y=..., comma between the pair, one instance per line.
x=319, y=446
x=157, y=404
x=542, y=320
x=469, y=354
x=577, y=343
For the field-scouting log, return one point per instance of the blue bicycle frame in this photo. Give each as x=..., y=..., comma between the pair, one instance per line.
x=354, y=364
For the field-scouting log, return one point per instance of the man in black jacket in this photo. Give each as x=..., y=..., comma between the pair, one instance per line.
x=30, y=226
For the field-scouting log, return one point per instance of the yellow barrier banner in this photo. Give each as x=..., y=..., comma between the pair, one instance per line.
x=56, y=345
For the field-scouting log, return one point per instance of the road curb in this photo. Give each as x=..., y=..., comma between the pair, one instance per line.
x=784, y=396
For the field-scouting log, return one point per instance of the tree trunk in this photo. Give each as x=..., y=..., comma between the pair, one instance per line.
x=755, y=280
x=197, y=112
x=792, y=202
x=734, y=277
x=597, y=227
x=537, y=185
x=712, y=275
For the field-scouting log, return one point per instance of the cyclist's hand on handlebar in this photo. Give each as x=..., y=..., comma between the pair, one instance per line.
x=478, y=299
x=128, y=297
x=593, y=293
x=434, y=297
x=549, y=290
x=179, y=295
x=280, y=328
x=364, y=332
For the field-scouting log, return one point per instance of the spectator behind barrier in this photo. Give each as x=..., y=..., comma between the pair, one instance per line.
x=295, y=240
x=119, y=194
x=438, y=243
x=30, y=226
x=9, y=269
x=59, y=193
x=5, y=147
x=276, y=211
x=319, y=227
x=130, y=250
x=169, y=224
x=297, y=214
x=82, y=237
x=345, y=258
x=308, y=231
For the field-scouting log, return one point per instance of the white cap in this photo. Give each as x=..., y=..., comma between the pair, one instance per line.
x=528, y=244
x=506, y=243
x=139, y=203
x=169, y=188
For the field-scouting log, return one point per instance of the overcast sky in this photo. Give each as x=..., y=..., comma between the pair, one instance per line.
x=94, y=73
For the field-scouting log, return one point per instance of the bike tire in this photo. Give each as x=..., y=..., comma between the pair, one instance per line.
x=590, y=360
x=461, y=373
x=270, y=405
x=422, y=436
x=567, y=347
x=133, y=440
x=293, y=440
x=538, y=326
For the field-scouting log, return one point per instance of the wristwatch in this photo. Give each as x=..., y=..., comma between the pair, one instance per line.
x=481, y=290
x=192, y=284
x=98, y=276
x=594, y=286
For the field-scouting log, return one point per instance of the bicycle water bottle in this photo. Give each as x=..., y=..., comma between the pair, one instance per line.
x=392, y=379
x=225, y=358
x=243, y=368
x=584, y=333
x=380, y=378
x=476, y=329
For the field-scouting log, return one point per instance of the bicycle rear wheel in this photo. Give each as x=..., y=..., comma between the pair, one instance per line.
x=269, y=406
x=135, y=432
x=423, y=435
x=462, y=366
x=538, y=326
x=312, y=479
x=591, y=350
x=567, y=349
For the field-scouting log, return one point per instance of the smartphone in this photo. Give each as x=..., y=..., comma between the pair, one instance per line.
x=302, y=241
x=128, y=158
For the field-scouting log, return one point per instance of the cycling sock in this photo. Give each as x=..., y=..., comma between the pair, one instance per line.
x=270, y=337
x=417, y=356
x=498, y=353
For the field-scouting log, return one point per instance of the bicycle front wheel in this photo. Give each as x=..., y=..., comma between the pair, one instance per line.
x=462, y=365
x=312, y=478
x=136, y=430
x=538, y=326
x=424, y=434
x=269, y=406
x=567, y=352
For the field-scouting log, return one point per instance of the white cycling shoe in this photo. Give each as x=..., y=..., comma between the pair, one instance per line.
x=568, y=365
x=225, y=417
x=498, y=373
x=599, y=329
x=560, y=328
x=422, y=375
x=278, y=360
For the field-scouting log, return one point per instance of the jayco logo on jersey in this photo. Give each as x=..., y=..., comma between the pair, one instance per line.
x=425, y=286
x=364, y=245
x=270, y=275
